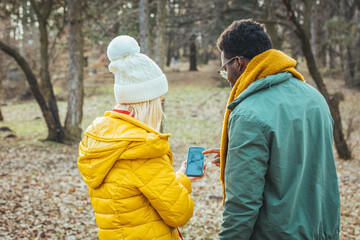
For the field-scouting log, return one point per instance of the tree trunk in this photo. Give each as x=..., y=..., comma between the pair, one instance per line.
x=313, y=36
x=168, y=54
x=56, y=132
x=351, y=63
x=357, y=63
x=35, y=90
x=320, y=15
x=205, y=56
x=170, y=49
x=2, y=73
x=159, y=51
x=331, y=57
x=192, y=56
x=76, y=72
x=47, y=90
x=115, y=28
x=1, y=94
x=322, y=56
x=346, y=60
x=333, y=100
x=205, y=49
x=143, y=26
x=4, y=64
x=271, y=26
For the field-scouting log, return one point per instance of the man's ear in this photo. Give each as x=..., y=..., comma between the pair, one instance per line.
x=240, y=64
x=243, y=62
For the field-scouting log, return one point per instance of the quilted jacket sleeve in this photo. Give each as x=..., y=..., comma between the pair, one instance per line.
x=184, y=180
x=160, y=184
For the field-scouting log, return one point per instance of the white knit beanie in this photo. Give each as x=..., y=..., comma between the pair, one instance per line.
x=137, y=77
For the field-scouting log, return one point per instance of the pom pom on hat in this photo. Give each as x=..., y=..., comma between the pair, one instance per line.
x=137, y=77
x=122, y=46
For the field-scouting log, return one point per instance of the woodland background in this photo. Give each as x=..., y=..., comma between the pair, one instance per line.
x=54, y=81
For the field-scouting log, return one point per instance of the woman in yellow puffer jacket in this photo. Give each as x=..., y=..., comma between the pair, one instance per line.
x=127, y=163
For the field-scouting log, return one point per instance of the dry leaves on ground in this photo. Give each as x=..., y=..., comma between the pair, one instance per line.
x=44, y=197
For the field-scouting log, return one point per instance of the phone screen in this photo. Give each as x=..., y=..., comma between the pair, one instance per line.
x=195, y=162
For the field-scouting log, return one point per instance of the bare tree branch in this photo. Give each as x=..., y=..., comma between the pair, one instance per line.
x=48, y=8
x=36, y=9
x=60, y=31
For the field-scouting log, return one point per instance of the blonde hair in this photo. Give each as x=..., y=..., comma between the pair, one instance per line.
x=148, y=112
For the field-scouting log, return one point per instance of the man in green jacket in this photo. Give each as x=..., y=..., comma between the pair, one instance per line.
x=276, y=158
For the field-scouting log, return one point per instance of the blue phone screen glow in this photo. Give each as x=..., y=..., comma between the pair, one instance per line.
x=195, y=161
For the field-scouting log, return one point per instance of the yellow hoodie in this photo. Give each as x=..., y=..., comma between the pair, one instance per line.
x=133, y=188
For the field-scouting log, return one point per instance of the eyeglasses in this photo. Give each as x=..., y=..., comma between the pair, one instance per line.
x=222, y=72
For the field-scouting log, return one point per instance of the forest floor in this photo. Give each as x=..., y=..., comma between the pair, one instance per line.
x=44, y=197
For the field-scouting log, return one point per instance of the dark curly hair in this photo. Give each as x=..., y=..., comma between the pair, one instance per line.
x=245, y=38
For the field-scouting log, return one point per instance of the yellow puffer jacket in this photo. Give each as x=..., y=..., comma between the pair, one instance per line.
x=133, y=188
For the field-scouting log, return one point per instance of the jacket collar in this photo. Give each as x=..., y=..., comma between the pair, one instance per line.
x=107, y=130
x=133, y=121
x=261, y=84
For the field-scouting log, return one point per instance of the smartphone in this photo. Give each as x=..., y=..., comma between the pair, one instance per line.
x=195, y=162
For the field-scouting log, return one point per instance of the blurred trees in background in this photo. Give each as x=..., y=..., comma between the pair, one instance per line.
x=325, y=33
x=303, y=31
x=26, y=17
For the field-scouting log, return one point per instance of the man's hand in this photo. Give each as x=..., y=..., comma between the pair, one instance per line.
x=183, y=170
x=216, y=159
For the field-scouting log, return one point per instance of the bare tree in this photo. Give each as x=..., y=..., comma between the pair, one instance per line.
x=192, y=56
x=35, y=89
x=76, y=71
x=44, y=95
x=42, y=12
x=303, y=33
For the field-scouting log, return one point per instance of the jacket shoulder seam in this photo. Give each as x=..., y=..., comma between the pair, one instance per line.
x=256, y=122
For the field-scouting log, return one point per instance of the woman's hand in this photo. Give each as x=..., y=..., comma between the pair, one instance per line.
x=183, y=170
x=216, y=159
